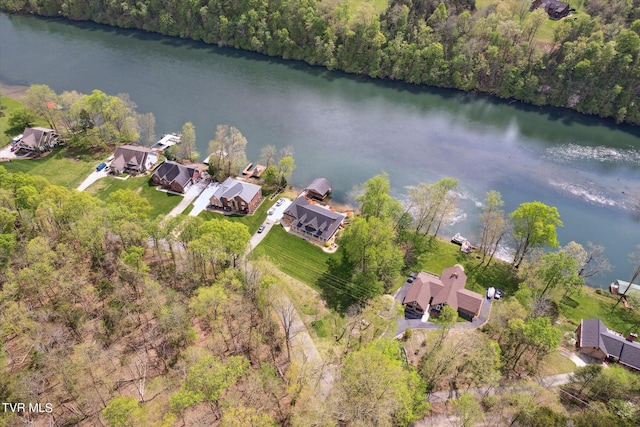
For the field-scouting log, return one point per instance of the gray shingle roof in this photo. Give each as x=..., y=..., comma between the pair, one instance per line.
x=594, y=333
x=175, y=172
x=320, y=186
x=232, y=188
x=130, y=156
x=317, y=220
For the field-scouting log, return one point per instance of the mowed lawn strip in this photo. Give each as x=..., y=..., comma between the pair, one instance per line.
x=161, y=202
x=57, y=167
x=6, y=134
x=295, y=256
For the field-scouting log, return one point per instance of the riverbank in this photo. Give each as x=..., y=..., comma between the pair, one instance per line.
x=16, y=92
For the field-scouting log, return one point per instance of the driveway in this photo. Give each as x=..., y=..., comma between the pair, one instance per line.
x=273, y=219
x=404, y=324
x=191, y=193
x=6, y=153
x=93, y=177
x=203, y=199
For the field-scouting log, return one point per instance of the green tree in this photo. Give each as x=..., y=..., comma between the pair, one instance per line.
x=468, y=410
x=433, y=204
x=376, y=389
x=376, y=200
x=286, y=166
x=369, y=245
x=123, y=412
x=493, y=225
x=22, y=118
x=534, y=225
x=188, y=142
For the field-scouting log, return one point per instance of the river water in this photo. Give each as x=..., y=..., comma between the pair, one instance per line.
x=348, y=129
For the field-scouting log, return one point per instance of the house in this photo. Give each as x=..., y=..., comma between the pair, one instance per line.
x=311, y=221
x=318, y=189
x=429, y=294
x=236, y=196
x=133, y=159
x=596, y=340
x=174, y=176
x=554, y=8
x=39, y=139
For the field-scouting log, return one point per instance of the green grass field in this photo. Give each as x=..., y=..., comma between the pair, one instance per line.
x=253, y=222
x=5, y=133
x=161, y=202
x=308, y=263
x=590, y=305
x=58, y=167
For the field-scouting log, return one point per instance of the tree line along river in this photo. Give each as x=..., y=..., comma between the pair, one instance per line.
x=348, y=129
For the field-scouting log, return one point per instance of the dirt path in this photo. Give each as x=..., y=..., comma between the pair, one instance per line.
x=16, y=92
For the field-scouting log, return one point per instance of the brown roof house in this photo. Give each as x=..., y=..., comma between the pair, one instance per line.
x=596, y=340
x=133, y=159
x=237, y=196
x=174, y=176
x=39, y=139
x=554, y=8
x=312, y=222
x=318, y=189
x=429, y=294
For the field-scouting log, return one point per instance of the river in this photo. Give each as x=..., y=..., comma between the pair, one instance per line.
x=348, y=129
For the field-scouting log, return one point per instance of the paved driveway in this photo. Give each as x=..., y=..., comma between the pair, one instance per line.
x=273, y=219
x=93, y=177
x=6, y=153
x=203, y=199
x=191, y=193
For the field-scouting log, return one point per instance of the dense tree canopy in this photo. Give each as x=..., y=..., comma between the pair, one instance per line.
x=590, y=64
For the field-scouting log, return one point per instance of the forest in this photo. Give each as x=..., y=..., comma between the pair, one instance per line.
x=114, y=313
x=589, y=61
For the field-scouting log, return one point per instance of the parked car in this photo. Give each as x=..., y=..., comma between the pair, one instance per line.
x=280, y=201
x=409, y=279
x=498, y=294
x=271, y=211
x=261, y=229
x=16, y=139
x=101, y=166
x=15, y=147
x=491, y=292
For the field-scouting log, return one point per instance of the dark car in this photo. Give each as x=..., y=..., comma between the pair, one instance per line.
x=261, y=229
x=101, y=166
x=498, y=294
x=409, y=279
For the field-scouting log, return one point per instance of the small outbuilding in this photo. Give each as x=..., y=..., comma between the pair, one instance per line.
x=318, y=189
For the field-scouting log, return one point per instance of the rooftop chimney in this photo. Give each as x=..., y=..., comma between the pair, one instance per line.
x=632, y=337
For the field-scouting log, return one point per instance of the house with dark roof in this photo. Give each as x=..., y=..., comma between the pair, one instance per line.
x=596, y=340
x=133, y=159
x=430, y=293
x=174, y=176
x=39, y=139
x=312, y=221
x=236, y=196
x=554, y=8
x=318, y=189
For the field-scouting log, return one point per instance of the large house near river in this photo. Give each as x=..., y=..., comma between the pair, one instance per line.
x=596, y=340
x=133, y=159
x=429, y=294
x=311, y=221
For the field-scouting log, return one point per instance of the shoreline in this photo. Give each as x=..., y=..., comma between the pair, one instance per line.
x=16, y=92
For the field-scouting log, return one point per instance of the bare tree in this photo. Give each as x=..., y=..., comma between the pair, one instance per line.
x=287, y=316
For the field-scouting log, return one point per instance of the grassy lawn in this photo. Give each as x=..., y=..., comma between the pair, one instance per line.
x=308, y=263
x=59, y=167
x=555, y=364
x=590, y=305
x=442, y=254
x=252, y=221
x=5, y=133
x=161, y=202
